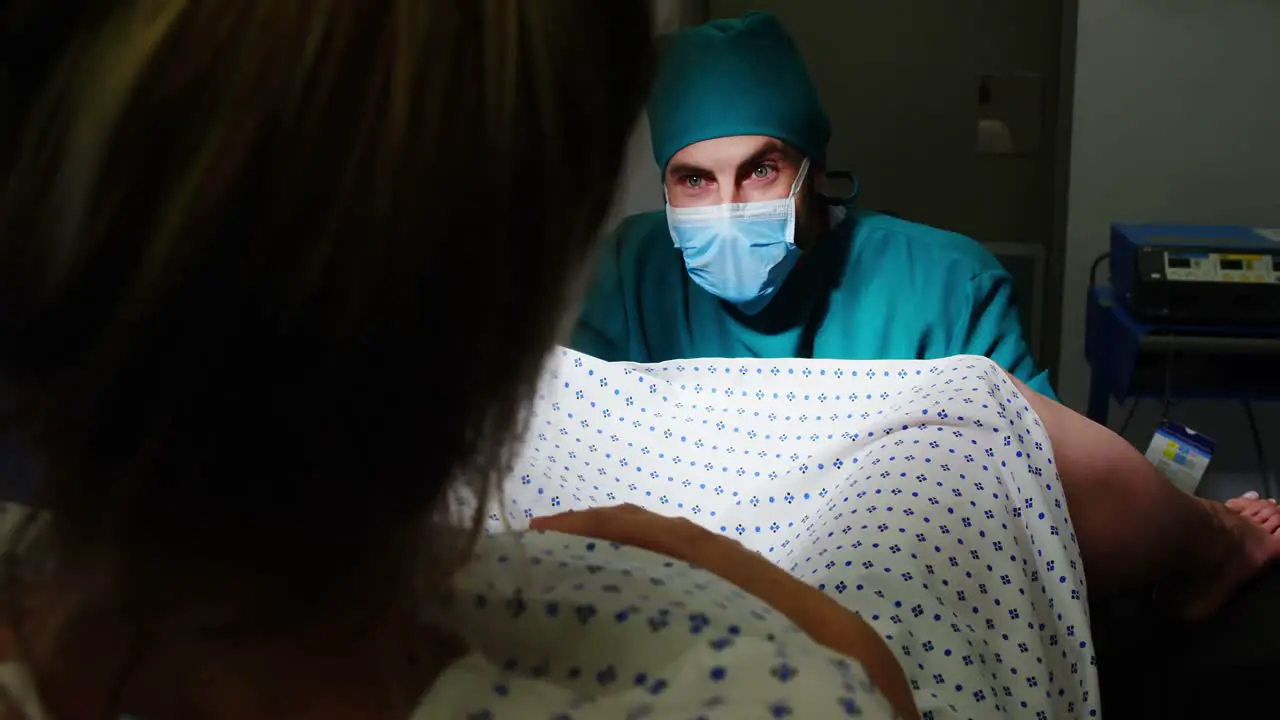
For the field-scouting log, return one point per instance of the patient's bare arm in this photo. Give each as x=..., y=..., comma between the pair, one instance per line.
x=822, y=618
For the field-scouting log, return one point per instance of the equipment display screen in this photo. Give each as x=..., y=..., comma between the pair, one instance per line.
x=1209, y=267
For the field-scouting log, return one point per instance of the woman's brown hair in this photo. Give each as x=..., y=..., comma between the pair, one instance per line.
x=277, y=276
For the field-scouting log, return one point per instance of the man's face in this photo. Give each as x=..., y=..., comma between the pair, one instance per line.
x=743, y=168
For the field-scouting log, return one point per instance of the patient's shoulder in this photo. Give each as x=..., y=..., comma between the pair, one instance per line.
x=22, y=535
x=18, y=697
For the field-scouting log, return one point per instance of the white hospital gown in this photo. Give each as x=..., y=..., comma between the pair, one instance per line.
x=920, y=494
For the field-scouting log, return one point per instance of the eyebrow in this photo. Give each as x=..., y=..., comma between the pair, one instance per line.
x=773, y=147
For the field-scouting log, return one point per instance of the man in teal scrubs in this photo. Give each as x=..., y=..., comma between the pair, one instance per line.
x=749, y=260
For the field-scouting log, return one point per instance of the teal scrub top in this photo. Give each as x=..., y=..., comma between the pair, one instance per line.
x=876, y=288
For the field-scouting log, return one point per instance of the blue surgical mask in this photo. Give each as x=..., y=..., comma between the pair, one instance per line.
x=739, y=252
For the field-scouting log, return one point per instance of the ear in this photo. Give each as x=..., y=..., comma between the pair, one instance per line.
x=812, y=212
x=814, y=205
x=809, y=188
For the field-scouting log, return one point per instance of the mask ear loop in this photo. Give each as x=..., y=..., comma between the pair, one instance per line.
x=846, y=199
x=800, y=176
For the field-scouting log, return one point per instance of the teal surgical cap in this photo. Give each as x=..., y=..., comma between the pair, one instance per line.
x=741, y=76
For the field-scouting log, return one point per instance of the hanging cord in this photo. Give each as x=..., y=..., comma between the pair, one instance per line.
x=1167, y=398
x=1268, y=482
x=1093, y=269
x=1128, y=417
x=1168, y=386
x=1133, y=404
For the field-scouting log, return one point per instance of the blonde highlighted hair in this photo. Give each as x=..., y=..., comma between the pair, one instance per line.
x=278, y=275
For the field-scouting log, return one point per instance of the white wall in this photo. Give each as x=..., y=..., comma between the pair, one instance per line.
x=1176, y=117
x=640, y=189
